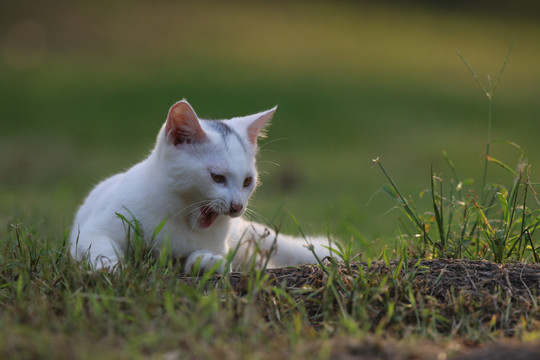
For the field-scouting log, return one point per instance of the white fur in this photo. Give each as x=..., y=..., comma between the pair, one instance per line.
x=177, y=182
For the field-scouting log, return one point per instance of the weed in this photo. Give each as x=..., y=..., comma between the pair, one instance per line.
x=493, y=222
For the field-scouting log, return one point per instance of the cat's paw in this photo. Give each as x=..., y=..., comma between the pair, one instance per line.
x=202, y=261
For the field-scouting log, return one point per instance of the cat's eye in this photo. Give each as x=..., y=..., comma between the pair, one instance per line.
x=220, y=179
x=248, y=181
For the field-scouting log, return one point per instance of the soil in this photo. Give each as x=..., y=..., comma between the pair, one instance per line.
x=518, y=280
x=388, y=349
x=491, y=287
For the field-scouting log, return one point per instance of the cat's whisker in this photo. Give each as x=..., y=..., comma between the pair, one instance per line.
x=188, y=209
x=195, y=204
x=254, y=215
x=194, y=207
x=266, y=143
x=197, y=210
x=270, y=162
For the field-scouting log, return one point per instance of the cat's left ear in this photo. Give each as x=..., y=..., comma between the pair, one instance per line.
x=256, y=124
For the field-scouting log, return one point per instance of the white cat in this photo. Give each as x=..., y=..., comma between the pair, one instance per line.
x=198, y=179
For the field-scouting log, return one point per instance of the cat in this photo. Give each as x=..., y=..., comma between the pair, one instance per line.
x=194, y=188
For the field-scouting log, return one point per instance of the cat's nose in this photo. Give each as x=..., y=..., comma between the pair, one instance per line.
x=236, y=208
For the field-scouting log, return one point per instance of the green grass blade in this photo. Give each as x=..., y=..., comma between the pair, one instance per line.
x=501, y=164
x=438, y=210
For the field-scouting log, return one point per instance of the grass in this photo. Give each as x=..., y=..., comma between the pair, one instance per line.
x=350, y=88
x=493, y=221
x=150, y=309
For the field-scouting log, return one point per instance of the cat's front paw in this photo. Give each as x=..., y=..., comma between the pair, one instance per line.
x=202, y=261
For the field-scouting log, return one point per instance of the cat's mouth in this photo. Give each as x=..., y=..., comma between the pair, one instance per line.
x=207, y=218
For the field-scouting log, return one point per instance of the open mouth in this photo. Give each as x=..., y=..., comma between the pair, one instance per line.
x=207, y=218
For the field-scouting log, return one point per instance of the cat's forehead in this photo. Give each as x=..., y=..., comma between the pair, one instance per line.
x=228, y=151
x=227, y=134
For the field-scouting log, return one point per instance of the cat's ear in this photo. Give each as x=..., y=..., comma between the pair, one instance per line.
x=257, y=124
x=183, y=126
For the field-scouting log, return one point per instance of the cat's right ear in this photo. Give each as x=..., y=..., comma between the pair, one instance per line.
x=183, y=126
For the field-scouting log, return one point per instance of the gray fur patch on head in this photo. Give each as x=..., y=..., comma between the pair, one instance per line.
x=226, y=131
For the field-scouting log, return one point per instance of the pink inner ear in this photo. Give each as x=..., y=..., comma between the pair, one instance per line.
x=183, y=125
x=256, y=128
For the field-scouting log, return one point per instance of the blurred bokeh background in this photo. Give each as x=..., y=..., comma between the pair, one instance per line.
x=85, y=86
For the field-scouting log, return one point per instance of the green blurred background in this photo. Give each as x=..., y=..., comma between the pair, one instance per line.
x=85, y=86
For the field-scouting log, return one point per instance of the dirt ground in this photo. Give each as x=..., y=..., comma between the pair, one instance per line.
x=515, y=279
x=387, y=349
x=488, y=286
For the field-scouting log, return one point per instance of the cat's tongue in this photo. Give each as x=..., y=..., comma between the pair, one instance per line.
x=207, y=217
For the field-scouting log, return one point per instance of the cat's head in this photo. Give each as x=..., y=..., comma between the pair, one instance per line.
x=211, y=163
